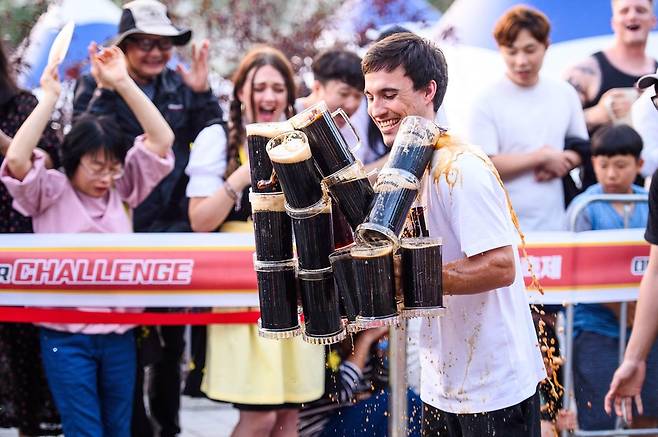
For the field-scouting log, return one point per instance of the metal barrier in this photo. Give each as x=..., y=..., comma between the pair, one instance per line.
x=397, y=377
x=627, y=199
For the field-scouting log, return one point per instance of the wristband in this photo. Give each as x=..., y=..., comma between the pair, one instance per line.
x=234, y=195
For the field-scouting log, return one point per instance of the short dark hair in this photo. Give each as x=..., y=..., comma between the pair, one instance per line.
x=422, y=61
x=518, y=18
x=392, y=31
x=618, y=139
x=341, y=65
x=92, y=134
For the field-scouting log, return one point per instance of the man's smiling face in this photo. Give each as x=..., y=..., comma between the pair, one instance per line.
x=391, y=97
x=632, y=20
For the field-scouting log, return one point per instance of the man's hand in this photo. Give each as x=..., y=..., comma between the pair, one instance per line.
x=554, y=164
x=197, y=77
x=625, y=388
x=618, y=102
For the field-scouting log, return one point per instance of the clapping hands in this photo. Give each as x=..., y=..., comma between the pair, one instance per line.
x=197, y=77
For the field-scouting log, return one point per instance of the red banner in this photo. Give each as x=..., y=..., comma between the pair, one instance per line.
x=216, y=270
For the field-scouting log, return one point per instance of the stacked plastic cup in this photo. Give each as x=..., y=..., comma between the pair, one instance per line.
x=274, y=263
x=398, y=183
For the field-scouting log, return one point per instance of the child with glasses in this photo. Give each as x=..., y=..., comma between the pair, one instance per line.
x=90, y=367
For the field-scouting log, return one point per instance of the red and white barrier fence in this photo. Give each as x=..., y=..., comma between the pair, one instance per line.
x=215, y=270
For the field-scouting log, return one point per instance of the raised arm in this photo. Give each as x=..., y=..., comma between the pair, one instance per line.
x=19, y=152
x=112, y=72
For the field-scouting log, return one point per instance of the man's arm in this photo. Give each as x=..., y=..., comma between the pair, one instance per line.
x=511, y=165
x=480, y=273
x=627, y=381
x=585, y=77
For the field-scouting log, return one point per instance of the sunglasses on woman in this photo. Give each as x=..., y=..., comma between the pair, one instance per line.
x=147, y=44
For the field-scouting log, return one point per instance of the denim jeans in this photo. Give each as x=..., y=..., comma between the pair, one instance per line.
x=92, y=378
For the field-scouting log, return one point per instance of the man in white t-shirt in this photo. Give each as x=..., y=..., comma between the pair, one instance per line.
x=480, y=362
x=521, y=121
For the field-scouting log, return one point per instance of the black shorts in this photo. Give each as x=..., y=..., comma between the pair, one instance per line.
x=520, y=420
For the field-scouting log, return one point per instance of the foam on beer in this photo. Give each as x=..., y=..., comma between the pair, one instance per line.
x=269, y=130
x=371, y=251
x=290, y=151
x=420, y=242
x=274, y=202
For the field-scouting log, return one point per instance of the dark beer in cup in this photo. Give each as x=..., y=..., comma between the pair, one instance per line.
x=293, y=164
x=421, y=275
x=343, y=234
x=352, y=192
x=345, y=281
x=277, y=295
x=272, y=227
x=322, y=321
x=330, y=150
x=395, y=191
x=263, y=179
x=375, y=283
x=313, y=235
x=414, y=145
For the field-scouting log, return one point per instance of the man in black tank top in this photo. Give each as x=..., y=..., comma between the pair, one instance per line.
x=605, y=80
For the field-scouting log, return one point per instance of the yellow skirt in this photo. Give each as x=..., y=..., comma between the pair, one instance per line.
x=243, y=368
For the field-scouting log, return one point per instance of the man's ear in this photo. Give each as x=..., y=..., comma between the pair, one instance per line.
x=430, y=91
x=317, y=88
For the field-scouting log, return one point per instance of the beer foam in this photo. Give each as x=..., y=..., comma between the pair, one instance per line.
x=290, y=151
x=269, y=130
x=420, y=242
x=374, y=251
x=267, y=202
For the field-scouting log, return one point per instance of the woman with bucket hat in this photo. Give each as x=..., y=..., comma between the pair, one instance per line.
x=147, y=37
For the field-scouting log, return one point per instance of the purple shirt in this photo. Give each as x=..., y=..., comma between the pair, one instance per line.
x=56, y=207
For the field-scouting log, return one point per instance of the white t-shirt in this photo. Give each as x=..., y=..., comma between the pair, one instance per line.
x=645, y=122
x=508, y=118
x=207, y=163
x=483, y=354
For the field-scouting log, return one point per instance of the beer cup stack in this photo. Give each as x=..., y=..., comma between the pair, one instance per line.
x=309, y=208
x=304, y=168
x=274, y=263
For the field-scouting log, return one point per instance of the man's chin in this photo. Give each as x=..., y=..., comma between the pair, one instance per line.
x=389, y=140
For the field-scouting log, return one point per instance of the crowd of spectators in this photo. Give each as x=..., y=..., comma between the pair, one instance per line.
x=150, y=150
